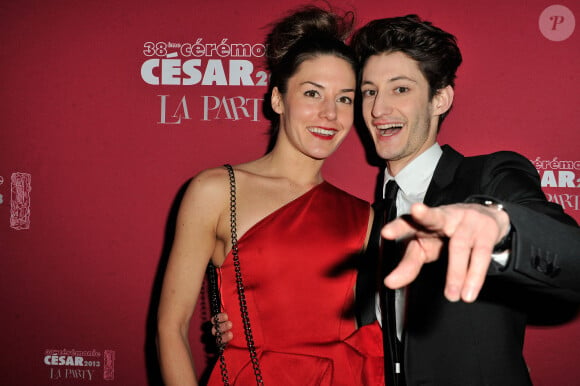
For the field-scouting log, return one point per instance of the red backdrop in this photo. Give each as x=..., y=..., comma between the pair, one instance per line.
x=109, y=107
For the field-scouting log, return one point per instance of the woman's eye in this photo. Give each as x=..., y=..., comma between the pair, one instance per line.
x=345, y=99
x=311, y=93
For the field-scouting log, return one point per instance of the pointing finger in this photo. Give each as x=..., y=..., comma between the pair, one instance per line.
x=408, y=268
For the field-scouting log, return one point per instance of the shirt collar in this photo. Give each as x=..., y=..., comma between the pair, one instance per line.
x=414, y=178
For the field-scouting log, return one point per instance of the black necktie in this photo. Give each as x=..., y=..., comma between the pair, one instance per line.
x=389, y=256
x=387, y=253
x=390, y=198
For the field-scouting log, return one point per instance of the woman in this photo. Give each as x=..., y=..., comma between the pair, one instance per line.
x=295, y=231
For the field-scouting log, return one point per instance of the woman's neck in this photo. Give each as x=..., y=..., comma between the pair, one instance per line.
x=297, y=168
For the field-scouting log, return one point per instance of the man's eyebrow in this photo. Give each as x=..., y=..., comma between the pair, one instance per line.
x=393, y=79
x=402, y=77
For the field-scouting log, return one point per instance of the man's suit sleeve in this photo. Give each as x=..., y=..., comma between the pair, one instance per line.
x=545, y=252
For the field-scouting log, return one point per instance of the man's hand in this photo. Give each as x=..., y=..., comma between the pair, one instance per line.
x=469, y=230
x=223, y=328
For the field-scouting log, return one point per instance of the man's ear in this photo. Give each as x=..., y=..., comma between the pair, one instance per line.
x=276, y=101
x=443, y=100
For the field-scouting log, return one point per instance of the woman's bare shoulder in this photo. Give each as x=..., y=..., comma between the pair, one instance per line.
x=209, y=189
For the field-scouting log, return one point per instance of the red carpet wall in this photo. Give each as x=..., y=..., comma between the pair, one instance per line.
x=109, y=107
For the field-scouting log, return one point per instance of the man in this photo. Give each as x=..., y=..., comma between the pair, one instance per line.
x=461, y=319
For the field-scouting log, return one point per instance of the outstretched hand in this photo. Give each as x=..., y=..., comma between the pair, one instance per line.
x=469, y=231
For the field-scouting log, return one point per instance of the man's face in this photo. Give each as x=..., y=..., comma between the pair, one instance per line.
x=396, y=108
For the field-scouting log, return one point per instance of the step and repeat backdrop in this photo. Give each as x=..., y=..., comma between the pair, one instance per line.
x=108, y=108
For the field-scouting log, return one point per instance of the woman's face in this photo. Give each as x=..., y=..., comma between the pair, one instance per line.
x=317, y=110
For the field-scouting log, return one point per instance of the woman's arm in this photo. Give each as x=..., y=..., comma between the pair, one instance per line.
x=194, y=245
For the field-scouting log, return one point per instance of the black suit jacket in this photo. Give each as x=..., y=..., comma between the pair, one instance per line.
x=481, y=343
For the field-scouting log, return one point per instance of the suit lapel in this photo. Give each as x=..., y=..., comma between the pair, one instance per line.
x=443, y=176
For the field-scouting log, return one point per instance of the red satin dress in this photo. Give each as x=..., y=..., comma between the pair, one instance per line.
x=298, y=267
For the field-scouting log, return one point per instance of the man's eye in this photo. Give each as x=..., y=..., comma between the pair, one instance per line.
x=369, y=93
x=401, y=90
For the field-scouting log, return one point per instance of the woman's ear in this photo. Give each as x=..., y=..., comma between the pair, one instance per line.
x=443, y=100
x=276, y=101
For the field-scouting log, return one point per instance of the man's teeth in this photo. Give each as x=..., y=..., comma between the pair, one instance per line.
x=318, y=130
x=389, y=129
x=390, y=126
